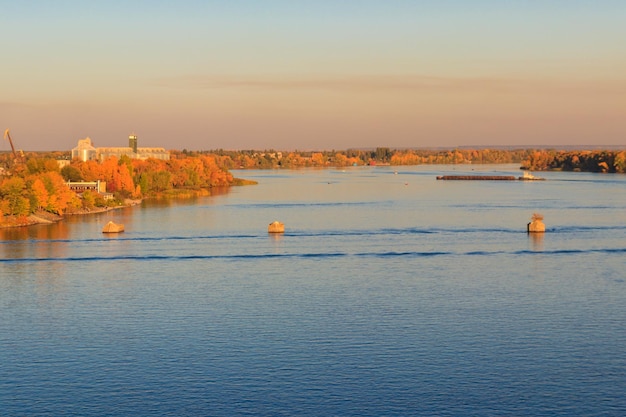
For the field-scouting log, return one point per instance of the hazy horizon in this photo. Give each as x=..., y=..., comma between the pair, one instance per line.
x=565, y=147
x=325, y=75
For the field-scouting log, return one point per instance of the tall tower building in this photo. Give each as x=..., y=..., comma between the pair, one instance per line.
x=132, y=142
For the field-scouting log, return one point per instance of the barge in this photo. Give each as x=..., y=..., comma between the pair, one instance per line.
x=478, y=177
x=526, y=177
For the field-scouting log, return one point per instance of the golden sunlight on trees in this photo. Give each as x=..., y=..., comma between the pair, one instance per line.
x=40, y=185
x=39, y=194
x=13, y=194
x=60, y=197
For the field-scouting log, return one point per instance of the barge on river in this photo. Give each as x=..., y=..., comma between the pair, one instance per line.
x=478, y=177
x=526, y=177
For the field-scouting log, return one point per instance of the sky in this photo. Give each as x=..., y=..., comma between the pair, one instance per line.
x=313, y=75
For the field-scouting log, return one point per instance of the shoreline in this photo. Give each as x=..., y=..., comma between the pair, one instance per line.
x=43, y=217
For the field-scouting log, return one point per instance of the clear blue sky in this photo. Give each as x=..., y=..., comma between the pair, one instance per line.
x=313, y=74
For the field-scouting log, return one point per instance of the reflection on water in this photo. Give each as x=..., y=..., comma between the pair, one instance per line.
x=276, y=237
x=58, y=230
x=536, y=240
x=40, y=241
x=183, y=200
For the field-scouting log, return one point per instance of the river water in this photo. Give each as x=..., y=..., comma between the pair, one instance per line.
x=390, y=293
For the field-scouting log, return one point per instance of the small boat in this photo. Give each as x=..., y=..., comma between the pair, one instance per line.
x=111, y=227
x=530, y=177
x=276, y=227
x=536, y=225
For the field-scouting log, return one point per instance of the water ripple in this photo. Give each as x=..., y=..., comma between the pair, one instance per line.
x=321, y=255
x=322, y=233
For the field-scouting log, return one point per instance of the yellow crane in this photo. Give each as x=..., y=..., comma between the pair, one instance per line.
x=7, y=136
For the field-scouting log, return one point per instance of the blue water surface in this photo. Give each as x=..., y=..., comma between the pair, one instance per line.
x=389, y=294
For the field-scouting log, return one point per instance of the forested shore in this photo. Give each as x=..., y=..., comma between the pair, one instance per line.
x=34, y=189
x=612, y=161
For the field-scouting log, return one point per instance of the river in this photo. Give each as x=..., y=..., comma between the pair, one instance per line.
x=390, y=293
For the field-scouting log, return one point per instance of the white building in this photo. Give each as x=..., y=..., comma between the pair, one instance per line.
x=85, y=151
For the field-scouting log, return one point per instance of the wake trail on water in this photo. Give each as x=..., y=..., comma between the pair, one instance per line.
x=319, y=255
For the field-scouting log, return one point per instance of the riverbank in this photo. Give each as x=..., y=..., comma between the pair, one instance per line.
x=43, y=217
x=39, y=217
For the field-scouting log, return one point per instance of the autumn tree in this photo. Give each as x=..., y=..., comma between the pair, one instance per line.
x=89, y=200
x=160, y=180
x=13, y=192
x=60, y=197
x=39, y=194
x=40, y=165
x=318, y=159
x=71, y=173
x=620, y=162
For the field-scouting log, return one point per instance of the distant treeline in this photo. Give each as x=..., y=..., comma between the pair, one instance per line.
x=579, y=161
x=250, y=159
x=530, y=159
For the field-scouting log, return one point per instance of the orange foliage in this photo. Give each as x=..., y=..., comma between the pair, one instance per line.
x=60, y=197
x=40, y=193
